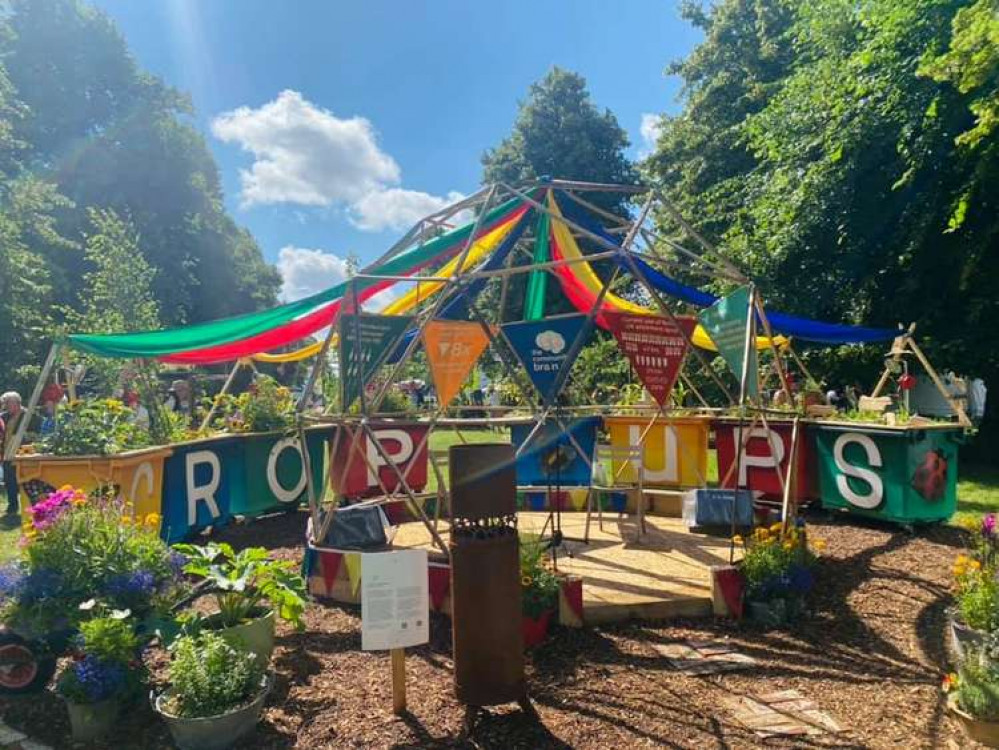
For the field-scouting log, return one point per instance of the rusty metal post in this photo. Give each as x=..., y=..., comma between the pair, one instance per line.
x=485, y=576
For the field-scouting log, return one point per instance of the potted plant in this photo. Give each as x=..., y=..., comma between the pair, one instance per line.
x=77, y=549
x=250, y=590
x=976, y=592
x=106, y=671
x=777, y=569
x=539, y=591
x=973, y=694
x=216, y=692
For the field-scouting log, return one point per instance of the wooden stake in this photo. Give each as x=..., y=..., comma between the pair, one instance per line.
x=398, y=680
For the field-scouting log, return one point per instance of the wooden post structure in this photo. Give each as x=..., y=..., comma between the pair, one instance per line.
x=398, y=656
x=22, y=426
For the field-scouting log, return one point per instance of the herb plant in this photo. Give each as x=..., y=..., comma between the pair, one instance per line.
x=209, y=677
x=539, y=585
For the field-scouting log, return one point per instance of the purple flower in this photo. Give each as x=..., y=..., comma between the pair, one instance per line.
x=177, y=561
x=42, y=583
x=989, y=524
x=12, y=580
x=140, y=583
x=97, y=679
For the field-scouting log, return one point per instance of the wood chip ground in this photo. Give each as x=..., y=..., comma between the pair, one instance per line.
x=870, y=655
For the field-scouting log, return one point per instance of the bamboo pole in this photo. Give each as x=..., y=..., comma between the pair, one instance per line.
x=22, y=426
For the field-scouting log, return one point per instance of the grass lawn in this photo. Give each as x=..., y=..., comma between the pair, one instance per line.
x=977, y=490
x=9, y=536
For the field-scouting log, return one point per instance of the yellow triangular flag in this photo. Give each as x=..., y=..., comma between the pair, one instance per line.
x=353, y=562
x=578, y=498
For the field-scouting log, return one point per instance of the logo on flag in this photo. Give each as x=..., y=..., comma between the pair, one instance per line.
x=453, y=347
x=655, y=346
x=543, y=348
x=365, y=343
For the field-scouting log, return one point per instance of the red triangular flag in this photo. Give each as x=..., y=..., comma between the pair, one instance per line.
x=329, y=563
x=731, y=583
x=572, y=590
x=655, y=346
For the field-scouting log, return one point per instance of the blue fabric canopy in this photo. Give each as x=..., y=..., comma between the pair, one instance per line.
x=790, y=325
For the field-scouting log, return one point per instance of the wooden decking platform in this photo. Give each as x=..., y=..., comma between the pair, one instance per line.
x=665, y=575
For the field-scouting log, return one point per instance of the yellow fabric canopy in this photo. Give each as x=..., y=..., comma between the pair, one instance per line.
x=585, y=275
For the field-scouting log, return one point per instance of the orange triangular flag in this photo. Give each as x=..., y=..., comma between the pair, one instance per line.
x=453, y=347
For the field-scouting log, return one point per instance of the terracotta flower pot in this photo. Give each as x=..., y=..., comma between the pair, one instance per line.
x=980, y=730
x=536, y=628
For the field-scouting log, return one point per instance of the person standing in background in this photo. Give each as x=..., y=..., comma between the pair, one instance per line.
x=11, y=414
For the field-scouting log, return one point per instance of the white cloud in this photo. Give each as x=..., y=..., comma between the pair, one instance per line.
x=306, y=155
x=650, y=129
x=396, y=208
x=304, y=272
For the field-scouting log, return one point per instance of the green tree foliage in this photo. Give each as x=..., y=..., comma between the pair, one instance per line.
x=82, y=126
x=854, y=161
x=559, y=132
x=117, y=294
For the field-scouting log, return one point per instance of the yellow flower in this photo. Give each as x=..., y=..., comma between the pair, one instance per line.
x=974, y=565
x=961, y=560
x=152, y=520
x=526, y=581
x=819, y=544
x=788, y=546
x=126, y=520
x=776, y=528
x=737, y=539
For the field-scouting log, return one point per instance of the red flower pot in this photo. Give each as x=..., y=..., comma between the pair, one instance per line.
x=536, y=629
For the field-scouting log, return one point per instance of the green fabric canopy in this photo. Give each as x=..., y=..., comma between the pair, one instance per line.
x=151, y=344
x=534, y=305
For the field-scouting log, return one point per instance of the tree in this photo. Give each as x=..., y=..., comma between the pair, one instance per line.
x=117, y=293
x=110, y=135
x=560, y=133
x=863, y=189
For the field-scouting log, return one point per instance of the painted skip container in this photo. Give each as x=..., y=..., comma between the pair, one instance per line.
x=899, y=474
x=675, y=449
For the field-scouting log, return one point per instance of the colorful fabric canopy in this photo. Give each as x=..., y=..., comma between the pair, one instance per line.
x=207, y=336
x=582, y=286
x=790, y=325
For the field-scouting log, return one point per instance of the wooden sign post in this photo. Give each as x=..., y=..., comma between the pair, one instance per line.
x=398, y=680
x=395, y=610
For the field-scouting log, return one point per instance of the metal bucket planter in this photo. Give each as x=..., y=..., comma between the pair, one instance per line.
x=962, y=637
x=90, y=721
x=255, y=636
x=775, y=613
x=980, y=730
x=214, y=732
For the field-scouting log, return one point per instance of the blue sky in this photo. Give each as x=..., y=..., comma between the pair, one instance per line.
x=335, y=124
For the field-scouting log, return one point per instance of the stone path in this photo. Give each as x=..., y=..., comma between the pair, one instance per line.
x=11, y=739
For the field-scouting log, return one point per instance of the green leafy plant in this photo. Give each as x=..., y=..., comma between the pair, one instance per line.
x=209, y=677
x=247, y=582
x=977, y=594
x=975, y=687
x=539, y=585
x=265, y=406
x=106, y=663
x=78, y=548
x=95, y=428
x=776, y=562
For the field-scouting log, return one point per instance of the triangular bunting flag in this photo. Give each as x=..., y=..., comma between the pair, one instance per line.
x=572, y=591
x=543, y=348
x=578, y=498
x=655, y=345
x=365, y=343
x=329, y=563
x=725, y=322
x=439, y=583
x=453, y=347
x=353, y=562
